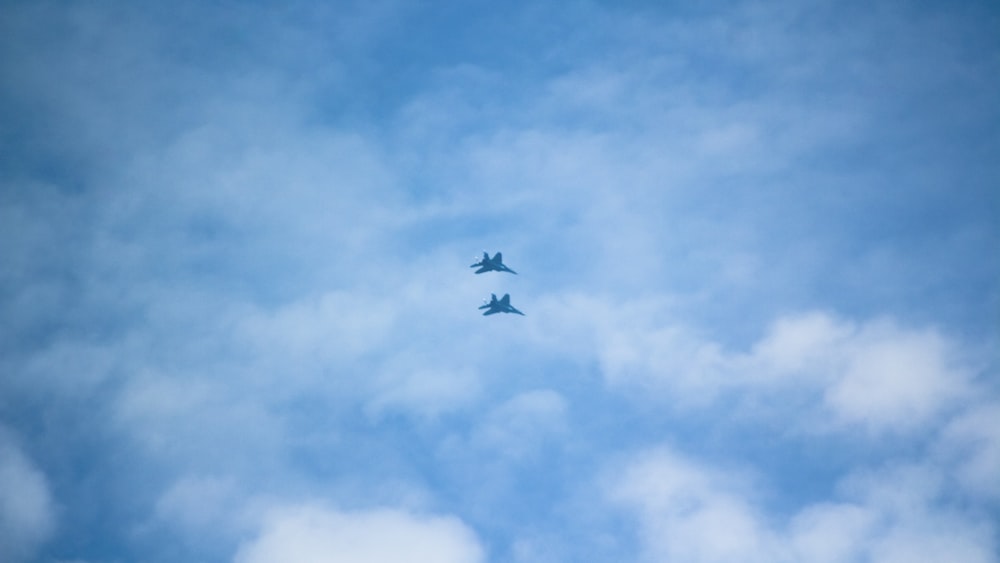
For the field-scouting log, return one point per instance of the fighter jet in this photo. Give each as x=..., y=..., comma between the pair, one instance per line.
x=501, y=305
x=494, y=264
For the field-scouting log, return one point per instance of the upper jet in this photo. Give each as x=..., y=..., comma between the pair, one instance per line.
x=501, y=305
x=494, y=264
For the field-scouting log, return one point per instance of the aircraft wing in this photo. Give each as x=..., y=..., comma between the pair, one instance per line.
x=490, y=312
x=482, y=269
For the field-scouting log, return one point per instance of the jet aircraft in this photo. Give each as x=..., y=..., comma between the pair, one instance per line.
x=501, y=305
x=494, y=264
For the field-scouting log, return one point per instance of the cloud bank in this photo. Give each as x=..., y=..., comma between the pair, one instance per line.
x=754, y=242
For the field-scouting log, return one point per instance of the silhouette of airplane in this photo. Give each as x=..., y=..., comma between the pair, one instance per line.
x=494, y=264
x=500, y=306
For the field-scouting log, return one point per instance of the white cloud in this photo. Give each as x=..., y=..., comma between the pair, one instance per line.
x=27, y=516
x=199, y=503
x=971, y=442
x=633, y=343
x=181, y=419
x=314, y=534
x=314, y=332
x=912, y=521
x=876, y=375
x=428, y=392
x=896, y=378
x=867, y=530
x=830, y=532
x=521, y=425
x=691, y=511
x=802, y=346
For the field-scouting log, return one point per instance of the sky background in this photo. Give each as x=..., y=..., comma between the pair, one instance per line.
x=758, y=256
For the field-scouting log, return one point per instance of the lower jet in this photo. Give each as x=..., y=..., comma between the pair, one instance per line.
x=501, y=305
x=494, y=264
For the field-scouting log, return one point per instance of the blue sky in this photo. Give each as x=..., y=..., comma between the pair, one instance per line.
x=757, y=246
